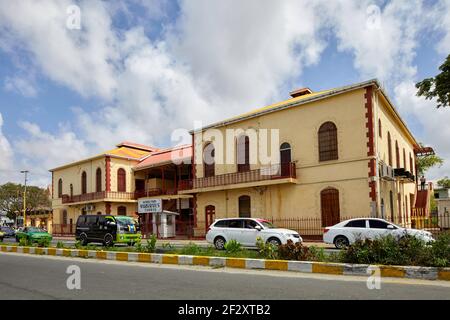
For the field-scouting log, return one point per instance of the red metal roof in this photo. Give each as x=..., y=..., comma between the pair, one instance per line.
x=137, y=146
x=166, y=156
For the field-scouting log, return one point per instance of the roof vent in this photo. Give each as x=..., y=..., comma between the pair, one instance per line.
x=300, y=92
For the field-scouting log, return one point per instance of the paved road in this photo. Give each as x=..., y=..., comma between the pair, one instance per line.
x=43, y=277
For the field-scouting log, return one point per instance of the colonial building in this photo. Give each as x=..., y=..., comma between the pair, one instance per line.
x=104, y=183
x=343, y=153
x=325, y=156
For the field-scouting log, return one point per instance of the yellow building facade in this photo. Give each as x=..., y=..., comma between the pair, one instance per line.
x=337, y=165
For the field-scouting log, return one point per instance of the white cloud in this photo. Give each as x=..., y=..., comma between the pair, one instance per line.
x=21, y=85
x=6, y=153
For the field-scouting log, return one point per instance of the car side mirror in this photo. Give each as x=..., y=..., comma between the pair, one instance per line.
x=258, y=228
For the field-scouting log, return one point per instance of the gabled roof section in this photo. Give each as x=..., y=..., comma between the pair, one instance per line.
x=166, y=156
x=124, y=150
x=307, y=98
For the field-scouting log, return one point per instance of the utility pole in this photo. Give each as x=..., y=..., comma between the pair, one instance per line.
x=25, y=199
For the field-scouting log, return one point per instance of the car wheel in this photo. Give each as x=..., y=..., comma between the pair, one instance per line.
x=341, y=242
x=108, y=241
x=130, y=244
x=274, y=241
x=83, y=239
x=17, y=239
x=219, y=243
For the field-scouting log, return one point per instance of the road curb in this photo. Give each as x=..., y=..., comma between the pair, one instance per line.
x=410, y=272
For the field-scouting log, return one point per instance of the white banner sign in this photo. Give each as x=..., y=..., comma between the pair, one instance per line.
x=149, y=205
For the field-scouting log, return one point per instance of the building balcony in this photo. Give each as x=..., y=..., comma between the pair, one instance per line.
x=99, y=196
x=154, y=192
x=403, y=174
x=266, y=175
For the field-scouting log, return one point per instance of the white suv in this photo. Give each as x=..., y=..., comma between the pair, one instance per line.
x=348, y=231
x=246, y=230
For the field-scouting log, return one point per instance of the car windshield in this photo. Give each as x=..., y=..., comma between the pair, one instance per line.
x=124, y=221
x=266, y=224
x=32, y=229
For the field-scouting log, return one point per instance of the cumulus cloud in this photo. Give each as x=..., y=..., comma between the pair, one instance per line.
x=20, y=85
x=6, y=153
x=214, y=60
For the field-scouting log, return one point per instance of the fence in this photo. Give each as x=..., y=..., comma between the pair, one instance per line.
x=63, y=229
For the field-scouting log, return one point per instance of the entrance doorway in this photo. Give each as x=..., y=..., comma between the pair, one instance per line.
x=210, y=213
x=329, y=200
x=244, y=207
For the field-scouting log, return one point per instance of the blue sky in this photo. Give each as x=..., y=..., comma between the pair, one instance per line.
x=138, y=69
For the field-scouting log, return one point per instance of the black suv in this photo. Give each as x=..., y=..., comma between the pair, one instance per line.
x=107, y=229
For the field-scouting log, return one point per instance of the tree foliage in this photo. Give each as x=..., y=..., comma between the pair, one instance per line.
x=11, y=199
x=426, y=162
x=437, y=87
x=444, y=182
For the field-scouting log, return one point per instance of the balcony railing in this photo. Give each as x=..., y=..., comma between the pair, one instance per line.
x=155, y=192
x=271, y=172
x=98, y=196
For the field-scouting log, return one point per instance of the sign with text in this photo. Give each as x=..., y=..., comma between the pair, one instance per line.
x=149, y=205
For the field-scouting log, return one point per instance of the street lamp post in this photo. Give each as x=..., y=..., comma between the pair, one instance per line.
x=25, y=199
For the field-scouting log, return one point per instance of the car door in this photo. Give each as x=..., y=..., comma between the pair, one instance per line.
x=356, y=230
x=378, y=228
x=249, y=233
x=234, y=230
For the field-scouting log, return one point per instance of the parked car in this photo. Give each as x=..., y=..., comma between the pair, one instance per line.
x=107, y=229
x=2, y=236
x=348, y=231
x=32, y=234
x=8, y=232
x=246, y=231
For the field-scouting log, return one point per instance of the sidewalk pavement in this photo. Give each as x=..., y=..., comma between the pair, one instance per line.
x=201, y=243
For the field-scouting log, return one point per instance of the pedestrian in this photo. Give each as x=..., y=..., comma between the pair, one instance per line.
x=422, y=182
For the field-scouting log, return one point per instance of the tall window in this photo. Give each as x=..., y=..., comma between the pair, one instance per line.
x=60, y=191
x=285, y=158
x=389, y=149
x=71, y=190
x=397, y=154
x=121, y=180
x=122, y=211
x=411, y=166
x=380, y=131
x=98, y=180
x=64, y=217
x=244, y=207
x=243, y=153
x=208, y=160
x=83, y=182
x=329, y=202
x=404, y=158
x=328, y=143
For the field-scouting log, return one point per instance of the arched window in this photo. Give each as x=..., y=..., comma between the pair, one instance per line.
x=98, y=180
x=397, y=154
x=60, y=191
x=83, y=182
x=244, y=207
x=328, y=143
x=121, y=180
x=285, y=158
x=389, y=149
x=243, y=153
x=208, y=160
x=71, y=190
x=122, y=211
x=411, y=166
x=391, y=204
x=329, y=202
x=380, y=129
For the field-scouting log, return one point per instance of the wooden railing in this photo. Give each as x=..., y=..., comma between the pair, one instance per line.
x=98, y=196
x=271, y=172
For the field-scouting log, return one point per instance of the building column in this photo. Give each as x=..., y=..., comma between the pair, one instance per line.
x=108, y=174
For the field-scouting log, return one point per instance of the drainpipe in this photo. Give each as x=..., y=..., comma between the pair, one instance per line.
x=376, y=136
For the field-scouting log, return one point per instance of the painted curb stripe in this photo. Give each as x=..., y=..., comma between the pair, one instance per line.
x=444, y=274
x=327, y=269
x=428, y=273
x=235, y=263
x=395, y=272
x=144, y=257
x=200, y=261
x=276, y=265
